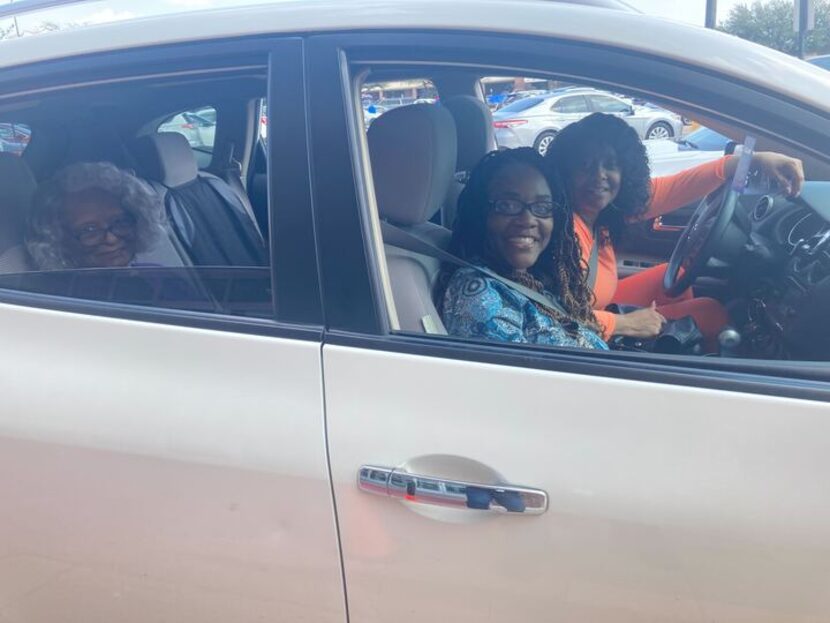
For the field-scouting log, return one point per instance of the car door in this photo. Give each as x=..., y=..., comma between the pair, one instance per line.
x=161, y=464
x=654, y=489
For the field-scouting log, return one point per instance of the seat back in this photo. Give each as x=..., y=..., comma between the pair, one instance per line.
x=211, y=222
x=413, y=153
x=18, y=187
x=476, y=138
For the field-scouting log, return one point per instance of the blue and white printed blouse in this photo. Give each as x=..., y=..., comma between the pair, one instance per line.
x=479, y=306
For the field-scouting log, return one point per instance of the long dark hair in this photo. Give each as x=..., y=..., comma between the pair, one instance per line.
x=559, y=267
x=597, y=131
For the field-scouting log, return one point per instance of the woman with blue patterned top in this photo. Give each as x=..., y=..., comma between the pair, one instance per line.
x=510, y=222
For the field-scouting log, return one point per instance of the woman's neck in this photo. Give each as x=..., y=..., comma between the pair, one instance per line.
x=589, y=216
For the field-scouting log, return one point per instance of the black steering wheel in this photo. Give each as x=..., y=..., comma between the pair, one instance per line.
x=700, y=239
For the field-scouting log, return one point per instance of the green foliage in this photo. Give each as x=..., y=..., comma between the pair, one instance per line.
x=771, y=24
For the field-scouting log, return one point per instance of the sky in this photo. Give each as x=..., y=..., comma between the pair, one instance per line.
x=690, y=11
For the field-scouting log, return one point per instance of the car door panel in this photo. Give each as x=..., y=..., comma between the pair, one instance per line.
x=161, y=473
x=657, y=513
x=679, y=490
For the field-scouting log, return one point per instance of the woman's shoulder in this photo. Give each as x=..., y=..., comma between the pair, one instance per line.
x=469, y=283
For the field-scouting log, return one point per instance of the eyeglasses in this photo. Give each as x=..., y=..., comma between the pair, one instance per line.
x=91, y=235
x=514, y=207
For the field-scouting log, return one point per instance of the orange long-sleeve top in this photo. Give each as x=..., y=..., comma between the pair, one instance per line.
x=668, y=193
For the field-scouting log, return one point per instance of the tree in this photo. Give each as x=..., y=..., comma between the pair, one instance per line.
x=771, y=24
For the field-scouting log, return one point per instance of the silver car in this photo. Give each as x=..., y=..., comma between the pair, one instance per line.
x=534, y=121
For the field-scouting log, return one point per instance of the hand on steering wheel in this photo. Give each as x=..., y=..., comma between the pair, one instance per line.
x=699, y=240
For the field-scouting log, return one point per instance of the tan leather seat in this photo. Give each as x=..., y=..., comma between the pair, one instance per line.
x=413, y=153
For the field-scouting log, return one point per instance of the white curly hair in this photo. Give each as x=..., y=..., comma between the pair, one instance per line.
x=44, y=239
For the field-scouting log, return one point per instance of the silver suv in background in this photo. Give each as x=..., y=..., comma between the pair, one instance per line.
x=534, y=121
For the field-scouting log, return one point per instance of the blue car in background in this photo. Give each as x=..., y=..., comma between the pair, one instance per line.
x=702, y=145
x=821, y=61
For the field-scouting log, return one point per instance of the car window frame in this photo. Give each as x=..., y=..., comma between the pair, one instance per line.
x=508, y=55
x=297, y=309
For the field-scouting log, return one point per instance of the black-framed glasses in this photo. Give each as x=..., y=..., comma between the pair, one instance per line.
x=514, y=207
x=92, y=235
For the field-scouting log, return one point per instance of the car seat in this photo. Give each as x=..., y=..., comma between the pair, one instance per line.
x=476, y=138
x=211, y=221
x=18, y=187
x=413, y=153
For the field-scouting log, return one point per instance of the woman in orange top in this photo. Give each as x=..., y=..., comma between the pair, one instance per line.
x=604, y=167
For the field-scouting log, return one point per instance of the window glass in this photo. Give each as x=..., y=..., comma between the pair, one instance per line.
x=198, y=126
x=574, y=104
x=143, y=230
x=755, y=302
x=524, y=103
x=14, y=138
x=609, y=104
x=377, y=98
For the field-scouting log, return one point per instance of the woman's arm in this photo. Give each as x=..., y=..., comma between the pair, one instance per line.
x=670, y=192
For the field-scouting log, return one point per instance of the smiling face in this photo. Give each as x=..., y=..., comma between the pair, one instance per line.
x=595, y=180
x=518, y=240
x=98, y=232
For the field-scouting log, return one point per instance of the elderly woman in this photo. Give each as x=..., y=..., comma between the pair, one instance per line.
x=510, y=221
x=604, y=168
x=92, y=215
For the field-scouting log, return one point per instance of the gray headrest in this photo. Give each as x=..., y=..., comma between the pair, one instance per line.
x=18, y=186
x=413, y=151
x=474, y=124
x=166, y=157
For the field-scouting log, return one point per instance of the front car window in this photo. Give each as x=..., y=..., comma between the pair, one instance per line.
x=733, y=297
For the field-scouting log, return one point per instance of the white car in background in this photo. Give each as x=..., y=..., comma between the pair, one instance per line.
x=534, y=121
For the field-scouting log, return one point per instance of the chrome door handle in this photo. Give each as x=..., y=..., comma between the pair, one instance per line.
x=388, y=481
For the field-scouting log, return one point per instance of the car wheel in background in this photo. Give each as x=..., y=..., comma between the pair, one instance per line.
x=660, y=130
x=543, y=141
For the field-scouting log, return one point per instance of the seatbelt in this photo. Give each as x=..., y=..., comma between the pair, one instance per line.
x=593, y=262
x=402, y=239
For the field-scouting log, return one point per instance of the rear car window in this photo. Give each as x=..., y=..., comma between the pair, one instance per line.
x=198, y=126
x=522, y=104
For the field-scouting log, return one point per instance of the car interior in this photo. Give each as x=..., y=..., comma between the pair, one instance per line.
x=217, y=222
x=768, y=260
x=770, y=265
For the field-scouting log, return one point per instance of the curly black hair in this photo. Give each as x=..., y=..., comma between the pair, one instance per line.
x=595, y=132
x=559, y=267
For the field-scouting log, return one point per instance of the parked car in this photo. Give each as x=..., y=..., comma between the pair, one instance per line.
x=198, y=127
x=697, y=147
x=296, y=438
x=534, y=121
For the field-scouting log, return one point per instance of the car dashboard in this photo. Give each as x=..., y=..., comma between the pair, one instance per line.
x=783, y=274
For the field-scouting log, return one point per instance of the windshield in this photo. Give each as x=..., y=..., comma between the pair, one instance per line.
x=522, y=104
